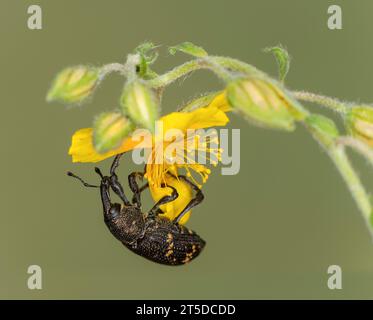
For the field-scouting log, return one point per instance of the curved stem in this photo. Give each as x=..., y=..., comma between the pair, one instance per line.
x=174, y=74
x=218, y=65
x=111, y=67
x=331, y=103
x=358, y=146
x=338, y=155
x=236, y=65
x=218, y=69
x=184, y=69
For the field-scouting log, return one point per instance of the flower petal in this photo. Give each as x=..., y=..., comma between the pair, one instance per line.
x=82, y=149
x=220, y=101
x=173, y=208
x=197, y=119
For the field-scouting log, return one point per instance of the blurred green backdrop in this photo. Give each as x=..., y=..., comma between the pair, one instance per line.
x=271, y=231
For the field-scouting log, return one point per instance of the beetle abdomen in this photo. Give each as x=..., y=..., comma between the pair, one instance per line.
x=167, y=243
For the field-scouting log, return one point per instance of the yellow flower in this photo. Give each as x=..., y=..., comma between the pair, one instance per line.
x=173, y=208
x=220, y=101
x=82, y=150
x=204, y=117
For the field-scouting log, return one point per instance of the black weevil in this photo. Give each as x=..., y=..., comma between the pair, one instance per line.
x=148, y=235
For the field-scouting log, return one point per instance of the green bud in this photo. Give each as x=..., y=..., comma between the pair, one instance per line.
x=323, y=128
x=140, y=104
x=109, y=130
x=264, y=103
x=73, y=84
x=359, y=121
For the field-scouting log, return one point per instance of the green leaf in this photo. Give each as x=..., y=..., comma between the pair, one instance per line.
x=145, y=47
x=147, y=57
x=74, y=84
x=188, y=48
x=109, y=130
x=282, y=59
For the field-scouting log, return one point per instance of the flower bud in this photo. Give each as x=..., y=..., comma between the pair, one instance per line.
x=263, y=103
x=73, y=84
x=140, y=104
x=359, y=121
x=109, y=130
x=323, y=128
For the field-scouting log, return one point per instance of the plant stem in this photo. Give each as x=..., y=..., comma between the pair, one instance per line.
x=216, y=64
x=111, y=67
x=174, y=74
x=338, y=155
x=236, y=65
x=331, y=103
x=184, y=69
x=358, y=146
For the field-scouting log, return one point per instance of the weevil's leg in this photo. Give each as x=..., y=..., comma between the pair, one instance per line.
x=135, y=187
x=70, y=174
x=118, y=189
x=156, y=210
x=144, y=187
x=105, y=198
x=198, y=198
x=115, y=163
x=111, y=210
x=114, y=182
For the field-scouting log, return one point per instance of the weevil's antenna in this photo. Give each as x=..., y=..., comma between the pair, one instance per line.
x=70, y=174
x=98, y=171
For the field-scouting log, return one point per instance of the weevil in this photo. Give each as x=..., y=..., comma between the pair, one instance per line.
x=149, y=235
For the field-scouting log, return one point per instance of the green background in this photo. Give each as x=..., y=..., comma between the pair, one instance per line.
x=271, y=231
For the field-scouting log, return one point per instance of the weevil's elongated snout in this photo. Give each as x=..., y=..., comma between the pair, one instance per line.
x=105, y=180
x=98, y=171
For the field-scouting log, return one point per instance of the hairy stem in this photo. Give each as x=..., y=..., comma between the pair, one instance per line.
x=331, y=103
x=186, y=68
x=338, y=155
x=236, y=65
x=111, y=67
x=358, y=146
x=174, y=74
x=218, y=65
